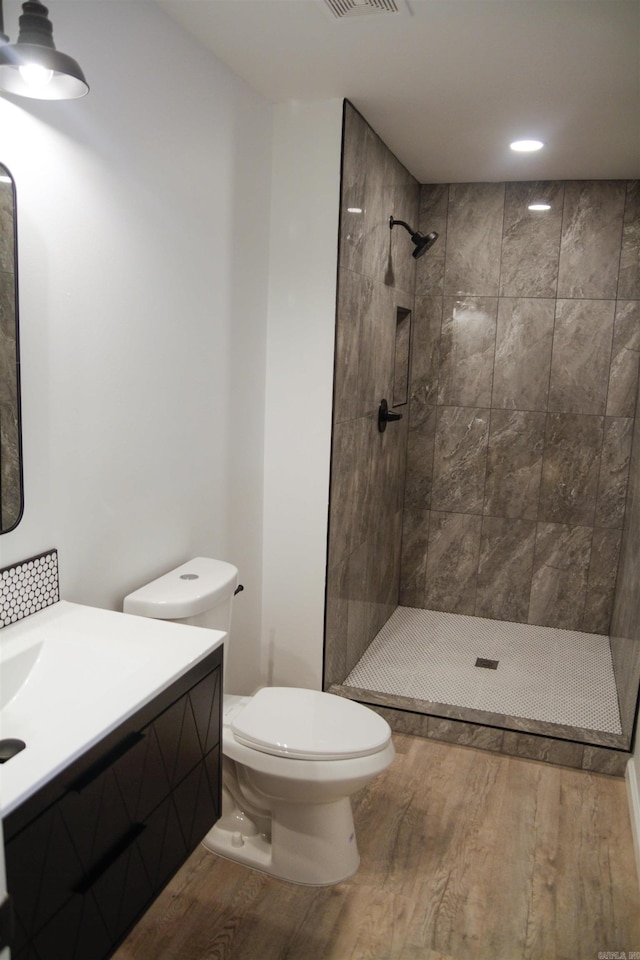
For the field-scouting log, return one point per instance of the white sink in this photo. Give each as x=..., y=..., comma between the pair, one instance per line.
x=70, y=674
x=15, y=671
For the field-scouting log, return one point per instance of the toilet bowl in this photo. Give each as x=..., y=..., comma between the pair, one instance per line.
x=292, y=757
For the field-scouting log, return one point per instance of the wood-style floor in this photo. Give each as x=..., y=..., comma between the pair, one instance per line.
x=465, y=854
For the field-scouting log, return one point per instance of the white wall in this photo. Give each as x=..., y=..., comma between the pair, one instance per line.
x=143, y=218
x=302, y=304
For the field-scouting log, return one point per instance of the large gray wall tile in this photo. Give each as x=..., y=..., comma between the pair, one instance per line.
x=625, y=620
x=514, y=464
x=523, y=353
x=614, y=472
x=376, y=346
x=629, y=279
x=531, y=240
x=570, y=468
x=460, y=459
x=474, y=239
x=354, y=297
x=337, y=622
x=376, y=183
x=388, y=459
x=425, y=350
x=350, y=486
x=591, y=238
x=625, y=617
x=452, y=562
x=357, y=639
x=434, y=205
x=357, y=230
x=560, y=572
x=605, y=550
x=581, y=356
x=413, y=575
x=467, y=349
x=420, y=453
x=623, y=374
x=504, y=571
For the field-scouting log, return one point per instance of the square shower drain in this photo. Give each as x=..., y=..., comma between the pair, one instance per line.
x=487, y=664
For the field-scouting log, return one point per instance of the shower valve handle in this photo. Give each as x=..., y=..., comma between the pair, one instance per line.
x=385, y=416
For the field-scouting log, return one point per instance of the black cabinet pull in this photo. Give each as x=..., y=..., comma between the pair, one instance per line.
x=105, y=761
x=101, y=866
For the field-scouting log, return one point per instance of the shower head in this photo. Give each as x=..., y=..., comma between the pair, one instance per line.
x=422, y=242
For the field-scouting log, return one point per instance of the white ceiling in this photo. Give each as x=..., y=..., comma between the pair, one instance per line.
x=450, y=85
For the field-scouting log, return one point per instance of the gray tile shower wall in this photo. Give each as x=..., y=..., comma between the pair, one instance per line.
x=526, y=339
x=625, y=622
x=376, y=278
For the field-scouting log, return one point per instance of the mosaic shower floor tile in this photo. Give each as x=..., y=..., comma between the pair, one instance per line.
x=556, y=676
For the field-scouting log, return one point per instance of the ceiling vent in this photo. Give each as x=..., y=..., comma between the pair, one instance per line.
x=356, y=9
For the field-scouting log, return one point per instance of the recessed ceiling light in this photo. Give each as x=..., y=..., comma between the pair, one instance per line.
x=526, y=146
x=539, y=206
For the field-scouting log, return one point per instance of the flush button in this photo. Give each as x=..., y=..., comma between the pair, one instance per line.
x=189, y=576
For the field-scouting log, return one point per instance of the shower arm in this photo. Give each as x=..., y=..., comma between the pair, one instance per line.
x=400, y=223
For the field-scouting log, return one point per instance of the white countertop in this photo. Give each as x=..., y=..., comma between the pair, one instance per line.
x=70, y=674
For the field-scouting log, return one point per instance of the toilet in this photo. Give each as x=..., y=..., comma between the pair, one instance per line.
x=292, y=757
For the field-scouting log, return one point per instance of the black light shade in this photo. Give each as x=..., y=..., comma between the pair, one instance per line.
x=59, y=77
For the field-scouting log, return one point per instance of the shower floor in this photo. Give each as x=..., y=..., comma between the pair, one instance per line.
x=543, y=674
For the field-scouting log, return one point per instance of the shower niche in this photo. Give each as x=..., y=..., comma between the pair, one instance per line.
x=494, y=521
x=402, y=357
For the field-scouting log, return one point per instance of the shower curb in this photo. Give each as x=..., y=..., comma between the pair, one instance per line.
x=505, y=736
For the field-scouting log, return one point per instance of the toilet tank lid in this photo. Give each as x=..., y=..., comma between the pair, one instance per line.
x=309, y=725
x=192, y=588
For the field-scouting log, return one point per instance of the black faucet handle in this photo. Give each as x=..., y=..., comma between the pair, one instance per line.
x=385, y=416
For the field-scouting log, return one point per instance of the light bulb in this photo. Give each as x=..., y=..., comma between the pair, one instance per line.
x=35, y=76
x=527, y=146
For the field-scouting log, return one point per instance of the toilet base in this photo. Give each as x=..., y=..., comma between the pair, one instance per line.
x=310, y=844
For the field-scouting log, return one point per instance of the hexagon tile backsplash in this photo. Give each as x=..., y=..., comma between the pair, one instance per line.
x=28, y=586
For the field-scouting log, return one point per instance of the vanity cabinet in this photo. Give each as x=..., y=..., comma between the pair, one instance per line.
x=87, y=853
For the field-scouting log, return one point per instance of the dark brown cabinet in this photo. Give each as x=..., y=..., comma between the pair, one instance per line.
x=87, y=854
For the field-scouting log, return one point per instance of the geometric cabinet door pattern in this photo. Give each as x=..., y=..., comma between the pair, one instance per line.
x=86, y=866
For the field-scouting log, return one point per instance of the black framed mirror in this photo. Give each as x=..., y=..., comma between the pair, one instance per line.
x=11, y=486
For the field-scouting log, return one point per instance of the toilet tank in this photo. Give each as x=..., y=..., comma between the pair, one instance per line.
x=199, y=592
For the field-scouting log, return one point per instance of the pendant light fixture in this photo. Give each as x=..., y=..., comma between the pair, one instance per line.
x=32, y=67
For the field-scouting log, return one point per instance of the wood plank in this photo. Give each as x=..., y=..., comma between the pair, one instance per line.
x=465, y=854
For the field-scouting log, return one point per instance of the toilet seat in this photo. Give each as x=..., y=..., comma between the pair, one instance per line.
x=308, y=725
